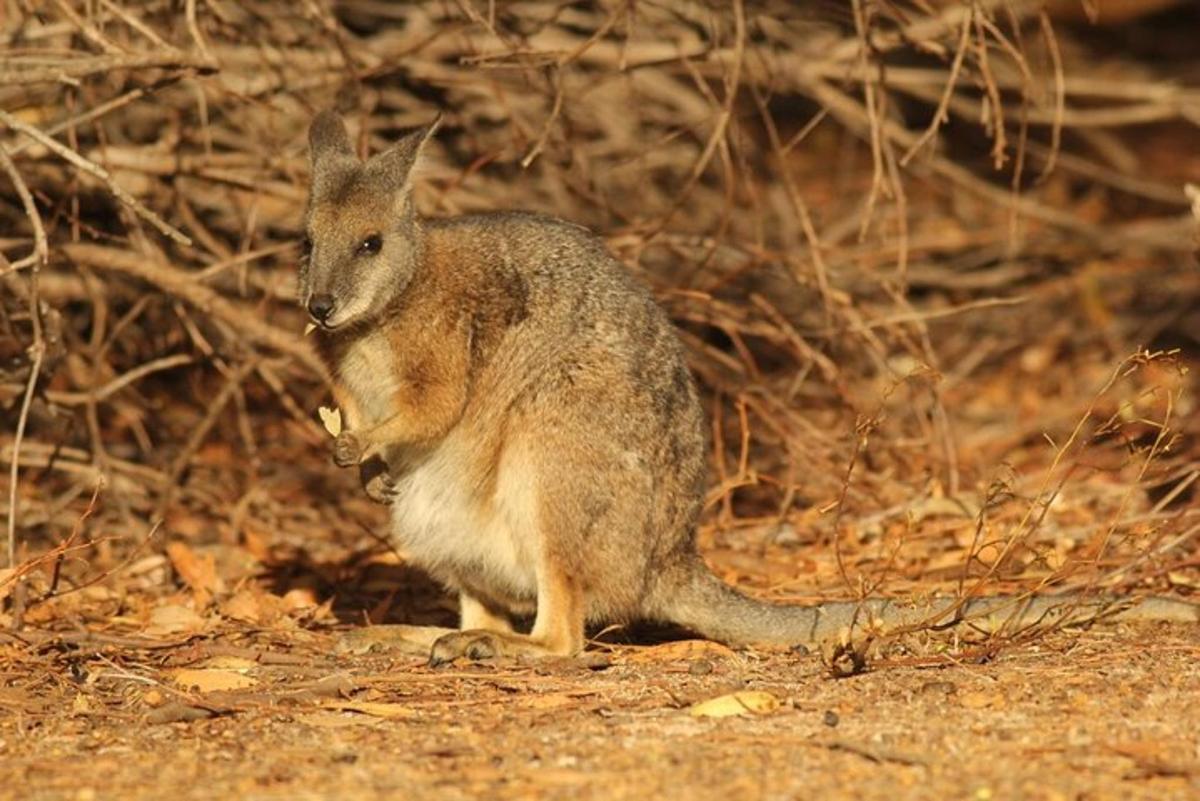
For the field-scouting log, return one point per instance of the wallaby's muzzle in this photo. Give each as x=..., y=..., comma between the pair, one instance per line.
x=320, y=307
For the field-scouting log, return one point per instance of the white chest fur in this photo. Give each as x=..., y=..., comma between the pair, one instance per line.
x=445, y=526
x=368, y=371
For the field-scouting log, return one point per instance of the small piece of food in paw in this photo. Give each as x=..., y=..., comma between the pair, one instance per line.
x=331, y=419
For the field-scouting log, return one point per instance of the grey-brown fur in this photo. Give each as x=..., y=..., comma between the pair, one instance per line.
x=541, y=435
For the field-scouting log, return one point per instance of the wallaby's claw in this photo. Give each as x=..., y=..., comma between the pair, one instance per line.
x=347, y=450
x=474, y=645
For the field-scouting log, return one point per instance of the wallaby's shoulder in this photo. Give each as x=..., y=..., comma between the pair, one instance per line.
x=558, y=266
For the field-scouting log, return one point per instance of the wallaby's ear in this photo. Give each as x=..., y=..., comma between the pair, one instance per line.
x=394, y=165
x=327, y=136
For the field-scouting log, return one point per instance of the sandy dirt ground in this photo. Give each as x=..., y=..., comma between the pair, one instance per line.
x=1106, y=713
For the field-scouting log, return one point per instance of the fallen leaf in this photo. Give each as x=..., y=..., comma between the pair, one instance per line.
x=198, y=572
x=548, y=701
x=207, y=681
x=256, y=541
x=173, y=619
x=238, y=664
x=388, y=711
x=253, y=605
x=185, y=524
x=331, y=419
x=179, y=713
x=681, y=651
x=82, y=705
x=333, y=720
x=1177, y=578
x=300, y=598
x=744, y=702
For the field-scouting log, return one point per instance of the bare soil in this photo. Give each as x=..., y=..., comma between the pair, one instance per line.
x=1101, y=714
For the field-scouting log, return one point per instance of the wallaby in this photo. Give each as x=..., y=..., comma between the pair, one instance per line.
x=541, y=437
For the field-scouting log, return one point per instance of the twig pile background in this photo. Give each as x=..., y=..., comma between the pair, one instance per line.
x=933, y=262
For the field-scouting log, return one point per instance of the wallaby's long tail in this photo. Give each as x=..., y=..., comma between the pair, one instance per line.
x=690, y=595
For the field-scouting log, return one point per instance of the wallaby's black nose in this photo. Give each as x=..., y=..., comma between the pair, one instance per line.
x=320, y=307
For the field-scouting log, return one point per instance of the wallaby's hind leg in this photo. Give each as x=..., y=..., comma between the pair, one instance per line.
x=557, y=629
x=474, y=614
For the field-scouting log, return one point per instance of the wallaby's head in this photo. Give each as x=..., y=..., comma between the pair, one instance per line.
x=362, y=240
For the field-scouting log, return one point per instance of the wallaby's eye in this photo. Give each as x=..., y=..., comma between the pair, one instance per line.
x=306, y=246
x=371, y=245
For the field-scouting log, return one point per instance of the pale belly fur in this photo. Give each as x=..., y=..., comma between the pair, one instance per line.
x=444, y=526
x=437, y=518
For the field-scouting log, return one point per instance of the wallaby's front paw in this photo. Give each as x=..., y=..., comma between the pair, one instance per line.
x=347, y=450
x=379, y=487
x=473, y=644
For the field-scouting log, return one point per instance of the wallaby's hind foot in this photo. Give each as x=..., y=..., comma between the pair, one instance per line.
x=479, y=645
x=557, y=629
x=403, y=639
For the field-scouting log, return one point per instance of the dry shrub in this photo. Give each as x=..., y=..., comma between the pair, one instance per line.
x=905, y=242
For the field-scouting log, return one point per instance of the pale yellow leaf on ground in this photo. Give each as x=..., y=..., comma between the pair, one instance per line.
x=173, y=619
x=82, y=705
x=550, y=701
x=681, y=651
x=300, y=598
x=207, y=681
x=375, y=709
x=238, y=664
x=333, y=720
x=331, y=419
x=254, y=605
x=744, y=702
x=243, y=606
x=1177, y=578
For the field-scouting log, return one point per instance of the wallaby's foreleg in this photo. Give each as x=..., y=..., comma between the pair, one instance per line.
x=425, y=409
x=557, y=629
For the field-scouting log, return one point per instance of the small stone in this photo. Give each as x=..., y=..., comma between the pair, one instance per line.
x=593, y=660
x=830, y=718
x=700, y=667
